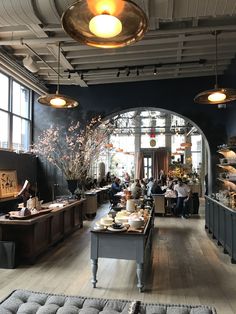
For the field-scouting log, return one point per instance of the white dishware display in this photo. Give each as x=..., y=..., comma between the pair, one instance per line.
x=136, y=221
x=106, y=220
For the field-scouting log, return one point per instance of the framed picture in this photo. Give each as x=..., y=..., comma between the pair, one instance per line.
x=8, y=183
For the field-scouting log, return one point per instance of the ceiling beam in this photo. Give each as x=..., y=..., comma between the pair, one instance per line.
x=66, y=65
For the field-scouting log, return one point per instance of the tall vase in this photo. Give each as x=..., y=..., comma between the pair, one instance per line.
x=72, y=185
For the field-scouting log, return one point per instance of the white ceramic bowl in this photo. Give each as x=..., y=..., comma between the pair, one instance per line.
x=106, y=221
x=121, y=219
x=136, y=223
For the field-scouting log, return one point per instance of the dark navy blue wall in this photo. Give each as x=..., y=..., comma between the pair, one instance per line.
x=26, y=168
x=175, y=95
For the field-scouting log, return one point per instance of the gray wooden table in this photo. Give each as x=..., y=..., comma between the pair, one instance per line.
x=122, y=245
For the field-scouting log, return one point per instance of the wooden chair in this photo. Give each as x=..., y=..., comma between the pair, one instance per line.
x=159, y=203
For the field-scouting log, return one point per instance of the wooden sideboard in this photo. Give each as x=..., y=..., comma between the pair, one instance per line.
x=34, y=236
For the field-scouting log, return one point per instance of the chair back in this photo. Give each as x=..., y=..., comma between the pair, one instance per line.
x=159, y=203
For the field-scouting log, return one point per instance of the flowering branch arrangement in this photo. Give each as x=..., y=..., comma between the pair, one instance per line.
x=74, y=149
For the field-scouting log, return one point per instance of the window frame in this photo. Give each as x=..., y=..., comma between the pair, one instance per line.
x=10, y=113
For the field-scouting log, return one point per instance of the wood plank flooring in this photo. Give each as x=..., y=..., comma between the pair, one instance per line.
x=187, y=267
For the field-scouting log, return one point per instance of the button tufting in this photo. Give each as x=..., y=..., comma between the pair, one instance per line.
x=26, y=302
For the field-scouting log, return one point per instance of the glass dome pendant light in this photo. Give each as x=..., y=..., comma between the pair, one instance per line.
x=217, y=95
x=58, y=100
x=105, y=23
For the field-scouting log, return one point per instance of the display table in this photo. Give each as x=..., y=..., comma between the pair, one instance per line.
x=123, y=245
x=94, y=198
x=32, y=236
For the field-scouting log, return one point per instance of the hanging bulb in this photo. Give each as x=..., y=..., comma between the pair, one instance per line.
x=105, y=23
x=57, y=102
x=217, y=96
x=105, y=26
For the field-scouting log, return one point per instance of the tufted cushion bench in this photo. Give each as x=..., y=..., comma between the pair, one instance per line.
x=28, y=302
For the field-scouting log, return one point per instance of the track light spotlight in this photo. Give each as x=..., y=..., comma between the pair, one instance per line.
x=137, y=71
x=127, y=72
x=118, y=73
x=69, y=76
x=82, y=76
x=155, y=71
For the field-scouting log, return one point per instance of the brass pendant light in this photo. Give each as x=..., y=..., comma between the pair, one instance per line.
x=217, y=95
x=105, y=23
x=58, y=100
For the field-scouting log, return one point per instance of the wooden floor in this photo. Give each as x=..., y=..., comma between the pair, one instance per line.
x=188, y=267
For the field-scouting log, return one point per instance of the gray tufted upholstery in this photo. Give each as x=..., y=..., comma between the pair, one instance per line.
x=27, y=302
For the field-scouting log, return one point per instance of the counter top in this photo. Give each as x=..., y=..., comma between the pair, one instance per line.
x=33, y=219
x=232, y=209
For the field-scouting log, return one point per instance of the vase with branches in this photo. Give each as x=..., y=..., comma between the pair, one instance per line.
x=73, y=149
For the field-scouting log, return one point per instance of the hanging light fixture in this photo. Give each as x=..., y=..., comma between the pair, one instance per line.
x=58, y=100
x=105, y=23
x=217, y=95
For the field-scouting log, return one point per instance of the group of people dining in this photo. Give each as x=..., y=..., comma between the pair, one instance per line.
x=174, y=188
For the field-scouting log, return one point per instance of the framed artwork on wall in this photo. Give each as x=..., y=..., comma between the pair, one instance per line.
x=8, y=183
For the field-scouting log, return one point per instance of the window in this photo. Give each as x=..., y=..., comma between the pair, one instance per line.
x=20, y=100
x=147, y=167
x=124, y=142
x=15, y=115
x=176, y=141
x=20, y=134
x=196, y=151
x=4, y=134
x=4, y=86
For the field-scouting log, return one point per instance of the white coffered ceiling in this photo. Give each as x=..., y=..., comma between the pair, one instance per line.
x=179, y=42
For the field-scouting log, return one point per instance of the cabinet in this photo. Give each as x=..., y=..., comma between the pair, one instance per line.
x=34, y=236
x=221, y=223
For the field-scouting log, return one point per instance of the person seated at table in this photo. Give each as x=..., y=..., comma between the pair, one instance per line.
x=136, y=189
x=156, y=188
x=170, y=182
x=102, y=183
x=143, y=187
x=115, y=188
x=108, y=177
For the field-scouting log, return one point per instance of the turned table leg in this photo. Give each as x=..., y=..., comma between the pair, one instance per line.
x=140, y=276
x=94, y=272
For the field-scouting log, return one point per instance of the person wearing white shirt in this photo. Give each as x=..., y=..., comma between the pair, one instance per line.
x=149, y=186
x=183, y=193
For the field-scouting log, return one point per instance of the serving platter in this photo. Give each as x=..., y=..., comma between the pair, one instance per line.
x=16, y=214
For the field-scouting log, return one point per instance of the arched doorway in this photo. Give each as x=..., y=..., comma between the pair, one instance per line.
x=150, y=129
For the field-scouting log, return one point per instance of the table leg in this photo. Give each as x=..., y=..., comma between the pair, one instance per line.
x=94, y=272
x=139, y=271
